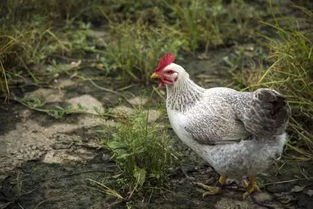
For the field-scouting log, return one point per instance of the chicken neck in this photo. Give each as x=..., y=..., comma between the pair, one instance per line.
x=183, y=95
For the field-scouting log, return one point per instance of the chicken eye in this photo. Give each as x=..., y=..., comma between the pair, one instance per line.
x=170, y=72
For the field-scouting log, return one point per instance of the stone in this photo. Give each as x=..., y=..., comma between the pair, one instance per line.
x=138, y=101
x=123, y=110
x=48, y=95
x=24, y=114
x=89, y=104
x=63, y=156
x=109, y=123
x=63, y=83
x=230, y=203
x=153, y=115
x=297, y=188
x=309, y=192
x=263, y=197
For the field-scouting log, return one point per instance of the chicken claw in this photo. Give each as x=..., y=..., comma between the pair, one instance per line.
x=213, y=190
x=252, y=187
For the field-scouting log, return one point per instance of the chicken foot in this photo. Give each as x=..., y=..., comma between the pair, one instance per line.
x=252, y=187
x=213, y=190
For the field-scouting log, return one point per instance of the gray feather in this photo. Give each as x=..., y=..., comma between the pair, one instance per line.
x=267, y=115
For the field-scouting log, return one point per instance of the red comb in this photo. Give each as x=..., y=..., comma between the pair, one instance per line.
x=167, y=59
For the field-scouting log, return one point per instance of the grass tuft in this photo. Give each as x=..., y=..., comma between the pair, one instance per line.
x=143, y=152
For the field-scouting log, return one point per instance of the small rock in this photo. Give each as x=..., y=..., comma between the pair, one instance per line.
x=276, y=188
x=284, y=197
x=106, y=157
x=25, y=113
x=97, y=33
x=52, y=157
x=75, y=64
x=138, y=101
x=234, y=204
x=298, y=189
x=110, y=123
x=59, y=146
x=100, y=43
x=309, y=192
x=84, y=154
x=90, y=121
x=65, y=83
x=63, y=156
x=123, y=110
x=49, y=95
x=203, y=56
x=263, y=197
x=153, y=115
x=89, y=103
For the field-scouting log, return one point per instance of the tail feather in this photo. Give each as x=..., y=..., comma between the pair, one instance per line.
x=268, y=114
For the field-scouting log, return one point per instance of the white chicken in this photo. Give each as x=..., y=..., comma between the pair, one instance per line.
x=238, y=133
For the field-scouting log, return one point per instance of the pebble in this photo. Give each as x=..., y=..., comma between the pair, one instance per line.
x=138, y=101
x=263, y=197
x=89, y=103
x=123, y=110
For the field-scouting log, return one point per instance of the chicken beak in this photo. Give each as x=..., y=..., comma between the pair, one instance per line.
x=155, y=75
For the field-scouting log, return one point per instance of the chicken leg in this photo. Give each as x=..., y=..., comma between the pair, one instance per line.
x=251, y=187
x=213, y=190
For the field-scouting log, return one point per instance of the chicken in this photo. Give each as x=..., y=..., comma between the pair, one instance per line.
x=239, y=134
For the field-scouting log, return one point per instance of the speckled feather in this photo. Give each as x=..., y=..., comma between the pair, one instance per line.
x=238, y=133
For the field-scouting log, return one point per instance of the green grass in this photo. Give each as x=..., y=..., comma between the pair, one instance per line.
x=32, y=31
x=135, y=48
x=54, y=12
x=139, y=33
x=144, y=153
x=19, y=48
x=207, y=24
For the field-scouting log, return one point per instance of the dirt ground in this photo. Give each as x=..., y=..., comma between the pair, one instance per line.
x=50, y=164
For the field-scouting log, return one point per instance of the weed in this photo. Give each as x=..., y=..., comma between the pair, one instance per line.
x=55, y=12
x=56, y=111
x=133, y=51
x=140, y=32
x=32, y=31
x=143, y=153
x=211, y=23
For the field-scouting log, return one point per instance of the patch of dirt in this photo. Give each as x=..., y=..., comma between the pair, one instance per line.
x=50, y=164
x=53, y=185
x=9, y=117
